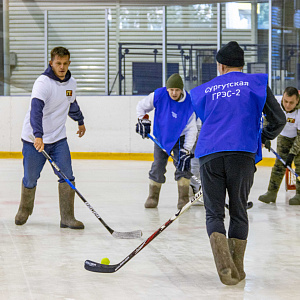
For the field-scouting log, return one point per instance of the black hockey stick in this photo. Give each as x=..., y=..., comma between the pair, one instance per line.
x=101, y=268
x=278, y=156
x=119, y=235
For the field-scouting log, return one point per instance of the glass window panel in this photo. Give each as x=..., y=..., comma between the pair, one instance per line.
x=201, y=14
x=149, y=18
x=263, y=15
x=285, y=45
x=238, y=15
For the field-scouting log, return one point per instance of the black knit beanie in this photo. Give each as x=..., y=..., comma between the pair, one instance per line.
x=231, y=55
x=174, y=81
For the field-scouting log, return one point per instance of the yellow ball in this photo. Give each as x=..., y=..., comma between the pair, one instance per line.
x=105, y=261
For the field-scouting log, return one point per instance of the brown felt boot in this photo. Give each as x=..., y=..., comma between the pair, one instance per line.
x=154, y=190
x=66, y=205
x=26, y=205
x=183, y=192
x=225, y=266
x=237, y=249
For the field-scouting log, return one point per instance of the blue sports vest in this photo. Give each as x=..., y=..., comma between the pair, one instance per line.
x=170, y=117
x=230, y=107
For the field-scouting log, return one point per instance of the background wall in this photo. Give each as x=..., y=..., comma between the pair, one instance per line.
x=110, y=123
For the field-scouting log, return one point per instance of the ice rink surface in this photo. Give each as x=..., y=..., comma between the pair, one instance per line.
x=41, y=261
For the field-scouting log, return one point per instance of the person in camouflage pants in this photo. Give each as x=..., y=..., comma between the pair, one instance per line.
x=288, y=147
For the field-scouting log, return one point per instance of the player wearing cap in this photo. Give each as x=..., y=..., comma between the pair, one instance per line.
x=229, y=144
x=175, y=129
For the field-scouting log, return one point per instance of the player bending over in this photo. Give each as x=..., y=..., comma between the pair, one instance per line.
x=175, y=129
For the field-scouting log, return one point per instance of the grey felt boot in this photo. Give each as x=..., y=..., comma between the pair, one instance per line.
x=226, y=268
x=66, y=205
x=183, y=192
x=26, y=205
x=268, y=197
x=237, y=249
x=154, y=190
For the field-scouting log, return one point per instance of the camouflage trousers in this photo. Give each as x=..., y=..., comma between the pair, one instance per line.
x=284, y=144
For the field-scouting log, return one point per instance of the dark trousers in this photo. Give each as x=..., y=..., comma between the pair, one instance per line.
x=234, y=174
x=158, y=168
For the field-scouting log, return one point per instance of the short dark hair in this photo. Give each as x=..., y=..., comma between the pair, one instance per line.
x=60, y=51
x=291, y=91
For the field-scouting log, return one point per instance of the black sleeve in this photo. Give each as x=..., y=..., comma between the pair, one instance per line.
x=275, y=117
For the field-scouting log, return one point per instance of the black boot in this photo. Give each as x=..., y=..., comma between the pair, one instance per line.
x=26, y=205
x=66, y=205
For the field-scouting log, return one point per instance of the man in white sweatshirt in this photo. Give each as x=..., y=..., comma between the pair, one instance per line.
x=53, y=99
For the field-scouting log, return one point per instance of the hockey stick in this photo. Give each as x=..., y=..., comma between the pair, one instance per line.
x=278, y=156
x=249, y=204
x=175, y=160
x=116, y=234
x=161, y=147
x=101, y=268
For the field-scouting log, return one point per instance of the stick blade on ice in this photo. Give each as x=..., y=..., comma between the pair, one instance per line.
x=127, y=235
x=100, y=268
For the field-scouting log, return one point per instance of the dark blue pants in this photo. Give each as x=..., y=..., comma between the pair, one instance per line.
x=34, y=161
x=234, y=174
x=158, y=168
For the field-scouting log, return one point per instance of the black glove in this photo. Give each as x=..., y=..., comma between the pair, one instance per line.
x=143, y=127
x=268, y=144
x=289, y=160
x=184, y=162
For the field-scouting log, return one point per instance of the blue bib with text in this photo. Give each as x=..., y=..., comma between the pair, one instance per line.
x=230, y=107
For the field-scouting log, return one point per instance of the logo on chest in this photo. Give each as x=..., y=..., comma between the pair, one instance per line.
x=290, y=120
x=174, y=115
x=69, y=93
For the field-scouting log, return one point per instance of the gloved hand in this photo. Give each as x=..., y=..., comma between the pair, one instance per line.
x=143, y=126
x=268, y=144
x=289, y=159
x=184, y=162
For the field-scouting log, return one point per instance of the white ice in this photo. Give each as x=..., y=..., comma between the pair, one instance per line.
x=41, y=261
